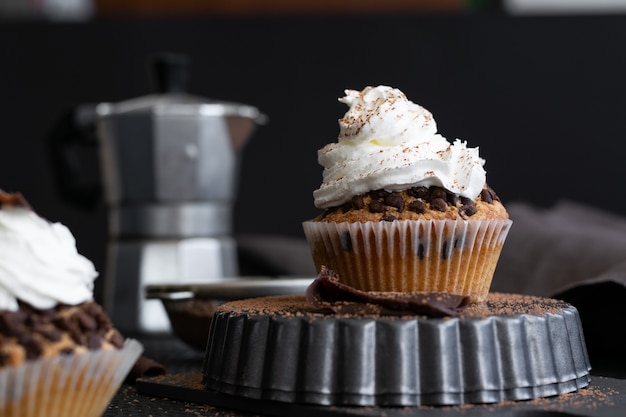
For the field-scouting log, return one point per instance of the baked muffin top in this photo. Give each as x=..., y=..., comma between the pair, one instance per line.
x=29, y=333
x=416, y=203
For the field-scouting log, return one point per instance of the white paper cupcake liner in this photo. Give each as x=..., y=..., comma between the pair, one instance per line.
x=455, y=256
x=69, y=385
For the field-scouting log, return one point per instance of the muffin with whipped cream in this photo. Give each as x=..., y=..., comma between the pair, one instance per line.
x=404, y=210
x=59, y=353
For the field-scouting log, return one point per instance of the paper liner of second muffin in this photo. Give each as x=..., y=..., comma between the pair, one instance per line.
x=71, y=385
x=454, y=256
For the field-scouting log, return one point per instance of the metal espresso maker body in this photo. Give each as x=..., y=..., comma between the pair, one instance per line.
x=169, y=167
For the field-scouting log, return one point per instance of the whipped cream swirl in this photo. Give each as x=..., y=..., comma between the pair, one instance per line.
x=39, y=263
x=388, y=142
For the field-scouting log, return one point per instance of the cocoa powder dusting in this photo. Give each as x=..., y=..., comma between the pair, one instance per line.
x=496, y=304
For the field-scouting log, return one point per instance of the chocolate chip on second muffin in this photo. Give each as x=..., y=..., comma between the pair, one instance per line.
x=417, y=206
x=376, y=206
x=438, y=204
x=395, y=200
x=357, y=202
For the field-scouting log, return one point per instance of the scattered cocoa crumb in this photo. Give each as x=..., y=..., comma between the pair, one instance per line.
x=501, y=304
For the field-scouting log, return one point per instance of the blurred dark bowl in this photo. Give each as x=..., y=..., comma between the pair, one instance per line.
x=190, y=307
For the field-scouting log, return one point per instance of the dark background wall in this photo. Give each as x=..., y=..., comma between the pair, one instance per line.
x=543, y=97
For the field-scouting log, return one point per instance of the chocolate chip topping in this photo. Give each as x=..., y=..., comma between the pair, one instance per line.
x=438, y=204
x=394, y=200
x=357, y=202
x=417, y=206
x=329, y=295
x=390, y=203
x=418, y=192
x=437, y=192
x=86, y=325
x=377, y=206
x=468, y=210
x=487, y=195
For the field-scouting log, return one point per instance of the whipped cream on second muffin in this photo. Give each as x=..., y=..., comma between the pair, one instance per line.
x=388, y=142
x=39, y=263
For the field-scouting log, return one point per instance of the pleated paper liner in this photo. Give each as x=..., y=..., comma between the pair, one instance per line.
x=67, y=385
x=455, y=256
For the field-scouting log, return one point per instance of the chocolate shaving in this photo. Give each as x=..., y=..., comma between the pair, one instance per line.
x=13, y=199
x=330, y=296
x=143, y=368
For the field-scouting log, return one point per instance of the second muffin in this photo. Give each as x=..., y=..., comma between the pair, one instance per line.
x=404, y=209
x=60, y=355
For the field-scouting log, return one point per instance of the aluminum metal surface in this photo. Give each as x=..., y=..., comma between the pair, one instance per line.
x=186, y=219
x=396, y=362
x=231, y=288
x=135, y=264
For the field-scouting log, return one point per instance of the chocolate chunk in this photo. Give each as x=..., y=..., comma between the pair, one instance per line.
x=85, y=321
x=77, y=336
x=62, y=323
x=346, y=207
x=53, y=335
x=389, y=218
x=357, y=202
x=468, y=210
x=376, y=206
x=395, y=200
x=92, y=309
x=378, y=194
x=417, y=206
x=32, y=347
x=420, y=251
x=116, y=339
x=486, y=195
x=329, y=295
x=452, y=199
x=346, y=241
x=437, y=192
x=39, y=318
x=94, y=341
x=438, y=204
x=100, y=317
x=12, y=322
x=491, y=192
x=418, y=192
x=24, y=338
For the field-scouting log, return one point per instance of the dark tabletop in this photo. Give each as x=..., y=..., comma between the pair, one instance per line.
x=177, y=357
x=181, y=359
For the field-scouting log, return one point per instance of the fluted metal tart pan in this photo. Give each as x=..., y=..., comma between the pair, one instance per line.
x=387, y=361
